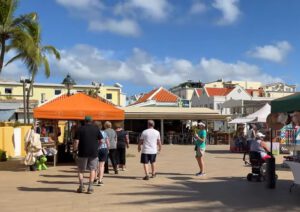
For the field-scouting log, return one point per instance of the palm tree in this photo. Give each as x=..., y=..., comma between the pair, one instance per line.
x=33, y=56
x=13, y=29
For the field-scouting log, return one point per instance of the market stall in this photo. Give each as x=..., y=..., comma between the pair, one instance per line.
x=286, y=110
x=71, y=108
x=258, y=117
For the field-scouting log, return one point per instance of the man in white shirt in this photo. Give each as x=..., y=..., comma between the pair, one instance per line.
x=150, y=139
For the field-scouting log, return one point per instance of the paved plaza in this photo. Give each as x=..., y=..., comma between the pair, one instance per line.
x=224, y=188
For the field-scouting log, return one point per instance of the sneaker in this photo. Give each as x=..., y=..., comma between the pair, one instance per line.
x=81, y=189
x=100, y=183
x=200, y=174
x=153, y=175
x=123, y=169
x=96, y=181
x=90, y=190
x=146, y=177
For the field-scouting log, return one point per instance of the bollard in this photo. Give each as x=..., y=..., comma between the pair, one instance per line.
x=270, y=173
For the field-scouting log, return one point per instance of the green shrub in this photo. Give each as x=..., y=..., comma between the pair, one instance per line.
x=3, y=156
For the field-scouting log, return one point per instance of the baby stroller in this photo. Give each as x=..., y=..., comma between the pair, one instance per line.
x=258, y=169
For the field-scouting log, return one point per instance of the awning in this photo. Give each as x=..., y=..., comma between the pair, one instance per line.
x=242, y=120
x=5, y=115
x=262, y=114
x=286, y=104
x=172, y=113
x=76, y=107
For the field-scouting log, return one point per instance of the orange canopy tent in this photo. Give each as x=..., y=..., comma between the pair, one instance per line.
x=76, y=107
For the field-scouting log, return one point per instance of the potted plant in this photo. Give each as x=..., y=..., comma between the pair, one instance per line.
x=3, y=156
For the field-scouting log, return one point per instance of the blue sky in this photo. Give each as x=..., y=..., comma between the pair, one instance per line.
x=144, y=44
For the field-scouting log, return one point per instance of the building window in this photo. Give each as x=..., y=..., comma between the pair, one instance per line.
x=8, y=91
x=57, y=92
x=109, y=96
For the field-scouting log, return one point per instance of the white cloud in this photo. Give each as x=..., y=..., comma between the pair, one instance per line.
x=198, y=7
x=118, y=18
x=124, y=27
x=229, y=9
x=14, y=70
x=275, y=53
x=155, y=9
x=80, y=4
x=88, y=63
x=212, y=69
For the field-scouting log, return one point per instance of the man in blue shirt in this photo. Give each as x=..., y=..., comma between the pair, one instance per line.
x=200, y=146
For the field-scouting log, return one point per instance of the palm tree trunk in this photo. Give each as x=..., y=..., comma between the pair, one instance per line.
x=2, y=52
x=28, y=97
x=27, y=103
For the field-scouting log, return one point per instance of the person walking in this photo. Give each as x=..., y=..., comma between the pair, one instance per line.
x=102, y=155
x=150, y=140
x=87, y=139
x=112, y=155
x=122, y=144
x=200, y=146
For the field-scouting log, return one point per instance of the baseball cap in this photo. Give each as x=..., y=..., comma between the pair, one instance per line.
x=88, y=118
x=260, y=135
x=201, y=124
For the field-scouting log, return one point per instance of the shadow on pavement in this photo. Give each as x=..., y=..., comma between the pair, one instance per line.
x=123, y=177
x=221, y=151
x=13, y=166
x=27, y=189
x=57, y=182
x=57, y=176
x=231, y=193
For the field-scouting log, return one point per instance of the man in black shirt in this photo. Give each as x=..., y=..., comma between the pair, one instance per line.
x=86, y=142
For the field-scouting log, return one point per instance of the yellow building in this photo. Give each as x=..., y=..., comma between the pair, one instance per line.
x=244, y=84
x=43, y=92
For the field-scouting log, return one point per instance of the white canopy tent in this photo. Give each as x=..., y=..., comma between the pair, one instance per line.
x=258, y=116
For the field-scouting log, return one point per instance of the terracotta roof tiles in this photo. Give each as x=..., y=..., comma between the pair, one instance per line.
x=218, y=91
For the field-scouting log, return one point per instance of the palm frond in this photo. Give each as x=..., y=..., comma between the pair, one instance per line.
x=46, y=66
x=17, y=57
x=52, y=50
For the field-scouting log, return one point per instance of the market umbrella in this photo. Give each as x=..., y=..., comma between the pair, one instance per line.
x=286, y=104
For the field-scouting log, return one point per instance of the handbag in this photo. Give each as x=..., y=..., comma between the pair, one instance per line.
x=29, y=159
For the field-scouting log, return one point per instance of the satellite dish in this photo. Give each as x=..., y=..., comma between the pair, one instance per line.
x=273, y=122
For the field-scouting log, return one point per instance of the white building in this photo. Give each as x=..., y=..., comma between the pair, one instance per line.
x=158, y=97
x=278, y=90
x=185, y=90
x=215, y=97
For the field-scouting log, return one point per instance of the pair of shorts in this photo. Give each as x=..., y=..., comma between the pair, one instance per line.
x=200, y=152
x=148, y=158
x=84, y=163
x=102, y=154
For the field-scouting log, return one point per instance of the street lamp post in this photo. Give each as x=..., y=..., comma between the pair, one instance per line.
x=69, y=83
x=24, y=82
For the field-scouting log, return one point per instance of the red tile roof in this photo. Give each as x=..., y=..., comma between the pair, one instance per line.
x=250, y=91
x=218, y=91
x=159, y=95
x=165, y=96
x=199, y=91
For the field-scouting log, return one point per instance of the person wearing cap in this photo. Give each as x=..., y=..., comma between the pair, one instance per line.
x=200, y=146
x=258, y=145
x=87, y=139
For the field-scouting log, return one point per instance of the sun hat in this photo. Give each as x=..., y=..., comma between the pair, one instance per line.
x=88, y=118
x=260, y=135
x=201, y=124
